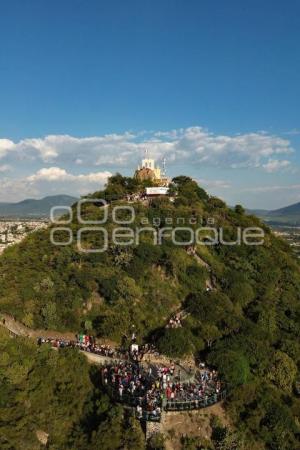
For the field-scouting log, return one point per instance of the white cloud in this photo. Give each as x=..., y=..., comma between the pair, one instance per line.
x=50, y=164
x=52, y=180
x=50, y=174
x=293, y=132
x=270, y=197
x=56, y=173
x=13, y=190
x=5, y=168
x=211, y=184
x=194, y=145
x=5, y=146
x=274, y=165
x=274, y=188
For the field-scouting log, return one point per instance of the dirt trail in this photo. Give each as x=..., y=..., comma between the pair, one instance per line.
x=17, y=328
x=21, y=330
x=209, y=282
x=173, y=424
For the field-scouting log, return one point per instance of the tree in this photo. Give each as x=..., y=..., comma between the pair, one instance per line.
x=283, y=371
x=216, y=203
x=122, y=256
x=210, y=334
x=232, y=365
x=181, y=180
x=49, y=314
x=231, y=440
x=278, y=426
x=134, y=438
x=241, y=292
x=40, y=390
x=238, y=209
x=175, y=342
x=117, y=433
x=28, y=319
x=189, y=189
x=88, y=325
x=156, y=442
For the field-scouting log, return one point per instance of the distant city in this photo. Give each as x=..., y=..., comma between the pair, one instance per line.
x=17, y=220
x=14, y=231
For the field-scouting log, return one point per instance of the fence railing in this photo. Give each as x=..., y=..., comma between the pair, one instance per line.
x=181, y=405
x=165, y=404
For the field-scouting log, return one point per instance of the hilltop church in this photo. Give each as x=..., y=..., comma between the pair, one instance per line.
x=149, y=171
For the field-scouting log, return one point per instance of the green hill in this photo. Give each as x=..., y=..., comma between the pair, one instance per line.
x=290, y=215
x=32, y=208
x=241, y=302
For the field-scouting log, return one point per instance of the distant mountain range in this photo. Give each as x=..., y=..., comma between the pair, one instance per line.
x=34, y=209
x=290, y=215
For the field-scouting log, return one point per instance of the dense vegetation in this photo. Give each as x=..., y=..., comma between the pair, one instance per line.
x=247, y=326
x=57, y=393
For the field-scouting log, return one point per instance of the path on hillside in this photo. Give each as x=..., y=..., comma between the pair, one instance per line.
x=183, y=374
x=209, y=282
x=18, y=329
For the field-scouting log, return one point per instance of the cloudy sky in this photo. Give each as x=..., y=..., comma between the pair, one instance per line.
x=86, y=87
x=238, y=167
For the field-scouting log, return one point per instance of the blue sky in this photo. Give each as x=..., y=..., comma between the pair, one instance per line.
x=85, y=86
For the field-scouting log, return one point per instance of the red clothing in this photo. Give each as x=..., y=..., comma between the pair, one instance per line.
x=168, y=392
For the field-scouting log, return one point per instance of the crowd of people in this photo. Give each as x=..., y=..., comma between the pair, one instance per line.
x=132, y=198
x=137, y=352
x=149, y=349
x=134, y=384
x=152, y=388
x=87, y=345
x=174, y=322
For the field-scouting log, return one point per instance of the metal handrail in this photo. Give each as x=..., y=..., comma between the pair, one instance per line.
x=166, y=404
